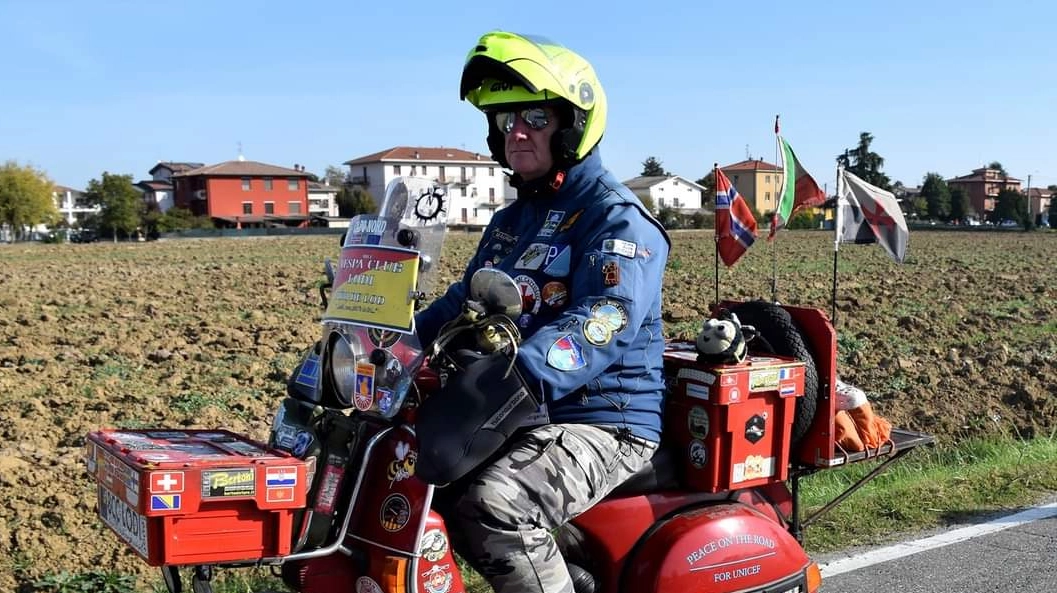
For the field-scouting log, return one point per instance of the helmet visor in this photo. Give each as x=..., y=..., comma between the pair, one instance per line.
x=536, y=118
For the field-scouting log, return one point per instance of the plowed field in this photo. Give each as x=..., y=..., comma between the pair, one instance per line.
x=959, y=340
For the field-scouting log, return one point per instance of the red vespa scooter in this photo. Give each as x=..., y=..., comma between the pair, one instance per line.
x=333, y=501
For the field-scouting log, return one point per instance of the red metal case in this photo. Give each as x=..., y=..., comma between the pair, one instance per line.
x=196, y=496
x=732, y=422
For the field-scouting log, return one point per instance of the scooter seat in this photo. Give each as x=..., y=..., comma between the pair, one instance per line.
x=661, y=472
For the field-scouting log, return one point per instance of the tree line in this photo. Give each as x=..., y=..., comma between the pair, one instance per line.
x=936, y=200
x=27, y=200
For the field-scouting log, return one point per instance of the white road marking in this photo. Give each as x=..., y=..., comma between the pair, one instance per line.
x=900, y=550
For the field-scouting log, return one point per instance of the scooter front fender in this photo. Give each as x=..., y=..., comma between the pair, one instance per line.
x=718, y=548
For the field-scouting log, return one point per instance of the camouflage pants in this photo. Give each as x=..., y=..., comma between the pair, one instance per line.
x=502, y=520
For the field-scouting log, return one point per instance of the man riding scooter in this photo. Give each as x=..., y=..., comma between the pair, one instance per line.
x=588, y=259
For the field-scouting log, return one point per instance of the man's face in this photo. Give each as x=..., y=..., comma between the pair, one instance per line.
x=528, y=149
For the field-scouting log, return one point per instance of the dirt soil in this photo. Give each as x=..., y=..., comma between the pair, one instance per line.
x=958, y=341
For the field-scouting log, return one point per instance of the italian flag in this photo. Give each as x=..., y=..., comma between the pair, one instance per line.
x=799, y=189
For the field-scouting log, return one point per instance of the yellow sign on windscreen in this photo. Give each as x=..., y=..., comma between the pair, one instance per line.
x=373, y=287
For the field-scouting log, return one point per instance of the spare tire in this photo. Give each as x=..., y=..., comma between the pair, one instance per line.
x=777, y=333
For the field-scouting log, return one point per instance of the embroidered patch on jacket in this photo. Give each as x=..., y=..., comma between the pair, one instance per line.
x=568, y=224
x=565, y=354
x=619, y=247
x=597, y=332
x=612, y=313
x=530, y=294
x=533, y=257
x=554, y=218
x=610, y=273
x=558, y=261
x=555, y=294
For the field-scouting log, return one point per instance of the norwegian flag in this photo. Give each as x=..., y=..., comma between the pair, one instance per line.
x=735, y=225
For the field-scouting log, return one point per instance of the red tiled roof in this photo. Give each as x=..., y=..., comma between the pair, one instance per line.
x=419, y=153
x=175, y=167
x=242, y=169
x=155, y=185
x=980, y=175
x=752, y=165
x=1039, y=192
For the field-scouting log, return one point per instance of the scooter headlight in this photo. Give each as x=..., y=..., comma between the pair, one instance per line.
x=343, y=367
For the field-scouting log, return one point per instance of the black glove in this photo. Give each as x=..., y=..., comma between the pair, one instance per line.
x=469, y=419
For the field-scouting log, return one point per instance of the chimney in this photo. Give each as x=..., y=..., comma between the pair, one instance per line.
x=416, y=154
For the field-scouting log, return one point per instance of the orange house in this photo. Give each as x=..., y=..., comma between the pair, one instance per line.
x=242, y=193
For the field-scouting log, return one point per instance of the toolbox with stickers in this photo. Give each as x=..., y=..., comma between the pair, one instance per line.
x=180, y=497
x=731, y=422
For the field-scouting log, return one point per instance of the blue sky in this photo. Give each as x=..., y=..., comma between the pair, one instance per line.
x=87, y=87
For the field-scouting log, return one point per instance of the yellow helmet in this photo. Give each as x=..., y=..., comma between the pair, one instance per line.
x=507, y=69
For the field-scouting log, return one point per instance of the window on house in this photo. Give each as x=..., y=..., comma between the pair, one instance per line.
x=491, y=194
x=442, y=179
x=396, y=169
x=462, y=191
x=293, y=207
x=269, y=207
x=491, y=171
x=475, y=212
x=413, y=170
x=292, y=183
x=660, y=202
x=247, y=207
x=767, y=196
x=267, y=184
x=766, y=178
x=425, y=173
x=245, y=184
x=462, y=175
x=735, y=180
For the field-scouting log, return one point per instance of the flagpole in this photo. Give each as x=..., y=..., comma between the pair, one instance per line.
x=836, y=246
x=774, y=218
x=715, y=231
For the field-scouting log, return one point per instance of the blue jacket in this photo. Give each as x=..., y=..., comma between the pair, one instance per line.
x=589, y=260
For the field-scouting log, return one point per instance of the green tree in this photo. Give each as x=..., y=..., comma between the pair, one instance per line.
x=709, y=183
x=669, y=218
x=353, y=201
x=121, y=206
x=25, y=198
x=1012, y=205
x=647, y=201
x=998, y=166
x=334, y=176
x=864, y=163
x=961, y=207
x=937, y=196
x=179, y=219
x=651, y=167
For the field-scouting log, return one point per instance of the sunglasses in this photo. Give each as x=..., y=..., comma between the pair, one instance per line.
x=535, y=117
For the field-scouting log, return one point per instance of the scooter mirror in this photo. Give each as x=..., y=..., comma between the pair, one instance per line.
x=497, y=291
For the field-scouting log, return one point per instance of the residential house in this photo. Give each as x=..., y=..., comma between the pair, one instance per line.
x=322, y=200
x=477, y=185
x=1039, y=202
x=244, y=193
x=71, y=205
x=983, y=186
x=158, y=190
x=668, y=191
x=757, y=181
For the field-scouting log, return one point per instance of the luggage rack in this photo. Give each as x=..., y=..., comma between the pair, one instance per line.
x=899, y=443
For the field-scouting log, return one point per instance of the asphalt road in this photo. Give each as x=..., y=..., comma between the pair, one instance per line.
x=988, y=557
